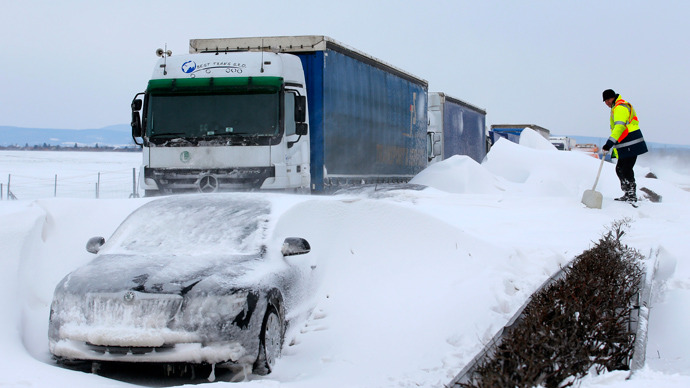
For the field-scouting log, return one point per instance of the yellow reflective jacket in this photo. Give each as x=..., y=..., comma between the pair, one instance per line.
x=625, y=130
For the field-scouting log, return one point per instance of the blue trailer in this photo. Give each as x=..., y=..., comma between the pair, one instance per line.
x=455, y=128
x=367, y=118
x=301, y=113
x=512, y=131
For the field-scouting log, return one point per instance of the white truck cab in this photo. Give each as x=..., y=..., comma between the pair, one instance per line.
x=223, y=121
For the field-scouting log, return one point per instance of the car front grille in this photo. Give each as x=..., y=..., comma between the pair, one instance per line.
x=134, y=350
x=132, y=309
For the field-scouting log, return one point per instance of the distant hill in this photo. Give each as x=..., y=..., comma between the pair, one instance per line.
x=113, y=136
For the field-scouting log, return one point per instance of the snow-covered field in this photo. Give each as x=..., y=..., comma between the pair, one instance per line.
x=415, y=282
x=70, y=174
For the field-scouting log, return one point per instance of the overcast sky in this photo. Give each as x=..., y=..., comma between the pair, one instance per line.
x=77, y=64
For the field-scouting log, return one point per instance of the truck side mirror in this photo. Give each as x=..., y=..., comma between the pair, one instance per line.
x=300, y=109
x=301, y=129
x=136, y=105
x=437, y=149
x=136, y=125
x=136, y=119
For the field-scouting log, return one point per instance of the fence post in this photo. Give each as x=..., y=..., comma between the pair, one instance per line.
x=9, y=191
x=135, y=194
x=55, y=187
x=98, y=186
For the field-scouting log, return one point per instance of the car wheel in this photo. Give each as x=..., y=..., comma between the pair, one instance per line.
x=271, y=342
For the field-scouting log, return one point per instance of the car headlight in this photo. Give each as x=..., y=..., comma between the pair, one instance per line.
x=66, y=309
x=201, y=310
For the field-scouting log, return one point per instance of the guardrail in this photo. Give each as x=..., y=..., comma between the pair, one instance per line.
x=641, y=319
x=465, y=374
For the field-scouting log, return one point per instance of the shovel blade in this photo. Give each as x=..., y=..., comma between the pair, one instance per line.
x=592, y=199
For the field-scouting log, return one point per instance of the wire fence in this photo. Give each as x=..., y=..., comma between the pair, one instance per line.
x=109, y=184
x=34, y=175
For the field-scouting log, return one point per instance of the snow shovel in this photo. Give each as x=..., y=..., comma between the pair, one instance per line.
x=592, y=198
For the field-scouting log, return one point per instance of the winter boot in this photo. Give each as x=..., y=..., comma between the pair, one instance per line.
x=625, y=187
x=631, y=193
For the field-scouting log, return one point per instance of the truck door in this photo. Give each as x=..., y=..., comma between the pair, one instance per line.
x=297, y=154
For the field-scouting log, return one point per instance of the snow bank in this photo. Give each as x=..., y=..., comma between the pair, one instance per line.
x=459, y=174
x=414, y=282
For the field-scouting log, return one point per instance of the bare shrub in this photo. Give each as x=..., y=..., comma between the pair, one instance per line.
x=575, y=325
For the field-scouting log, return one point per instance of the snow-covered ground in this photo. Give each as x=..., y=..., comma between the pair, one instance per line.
x=415, y=282
x=73, y=174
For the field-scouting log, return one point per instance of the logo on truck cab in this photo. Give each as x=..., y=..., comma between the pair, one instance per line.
x=191, y=67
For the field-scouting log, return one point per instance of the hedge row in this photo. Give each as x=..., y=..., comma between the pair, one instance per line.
x=575, y=325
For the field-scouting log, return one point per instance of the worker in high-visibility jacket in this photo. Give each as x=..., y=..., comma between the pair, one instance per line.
x=626, y=140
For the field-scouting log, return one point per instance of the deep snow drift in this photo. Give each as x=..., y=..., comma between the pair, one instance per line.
x=414, y=282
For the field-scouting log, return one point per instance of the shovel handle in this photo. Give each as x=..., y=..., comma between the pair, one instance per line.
x=603, y=157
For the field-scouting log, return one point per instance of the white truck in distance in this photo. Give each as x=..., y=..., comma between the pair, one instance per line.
x=562, y=143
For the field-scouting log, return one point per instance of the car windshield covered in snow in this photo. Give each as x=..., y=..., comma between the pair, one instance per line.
x=186, y=226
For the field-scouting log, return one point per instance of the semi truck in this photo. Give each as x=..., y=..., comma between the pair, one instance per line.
x=455, y=128
x=512, y=131
x=296, y=113
x=563, y=143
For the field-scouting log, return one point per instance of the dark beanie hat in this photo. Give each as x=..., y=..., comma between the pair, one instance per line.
x=609, y=93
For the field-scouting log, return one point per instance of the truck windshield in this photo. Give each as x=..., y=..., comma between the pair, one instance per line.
x=212, y=115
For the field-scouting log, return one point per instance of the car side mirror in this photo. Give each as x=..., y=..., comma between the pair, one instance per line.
x=94, y=244
x=295, y=246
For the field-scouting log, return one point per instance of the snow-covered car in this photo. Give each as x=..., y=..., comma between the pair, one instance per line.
x=194, y=279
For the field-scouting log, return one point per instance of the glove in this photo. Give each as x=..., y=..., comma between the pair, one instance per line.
x=607, y=146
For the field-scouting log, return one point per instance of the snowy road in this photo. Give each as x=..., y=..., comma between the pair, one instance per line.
x=434, y=272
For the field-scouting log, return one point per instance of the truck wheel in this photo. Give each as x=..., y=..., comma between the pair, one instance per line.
x=270, y=342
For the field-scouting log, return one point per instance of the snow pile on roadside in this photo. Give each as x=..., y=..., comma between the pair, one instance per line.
x=414, y=281
x=460, y=174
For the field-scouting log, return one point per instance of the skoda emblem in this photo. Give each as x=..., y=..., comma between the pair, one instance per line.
x=208, y=184
x=185, y=156
x=129, y=296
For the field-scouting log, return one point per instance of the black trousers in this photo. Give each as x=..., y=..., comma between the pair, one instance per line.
x=624, y=170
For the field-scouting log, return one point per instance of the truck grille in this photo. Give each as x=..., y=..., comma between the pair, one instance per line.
x=179, y=180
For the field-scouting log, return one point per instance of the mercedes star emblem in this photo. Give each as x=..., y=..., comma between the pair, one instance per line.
x=208, y=184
